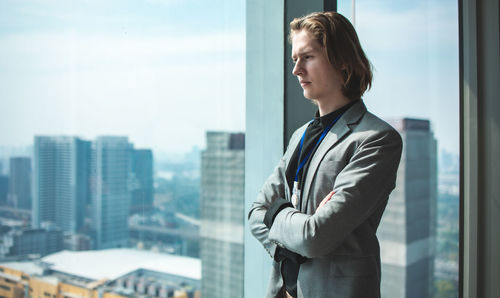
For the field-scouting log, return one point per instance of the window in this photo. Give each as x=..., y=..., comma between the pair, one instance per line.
x=5, y=287
x=123, y=127
x=413, y=47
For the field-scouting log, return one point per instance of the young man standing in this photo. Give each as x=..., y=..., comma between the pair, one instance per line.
x=318, y=213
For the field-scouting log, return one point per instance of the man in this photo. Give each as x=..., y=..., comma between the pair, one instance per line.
x=318, y=213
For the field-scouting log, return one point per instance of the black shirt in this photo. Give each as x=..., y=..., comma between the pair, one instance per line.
x=313, y=133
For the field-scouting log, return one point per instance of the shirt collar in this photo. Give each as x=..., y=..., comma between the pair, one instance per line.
x=325, y=120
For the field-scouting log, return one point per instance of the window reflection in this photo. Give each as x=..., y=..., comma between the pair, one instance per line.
x=414, y=49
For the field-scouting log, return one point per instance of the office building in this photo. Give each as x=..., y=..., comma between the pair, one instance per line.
x=20, y=182
x=407, y=231
x=111, y=168
x=142, y=172
x=60, y=184
x=222, y=215
x=20, y=243
x=4, y=189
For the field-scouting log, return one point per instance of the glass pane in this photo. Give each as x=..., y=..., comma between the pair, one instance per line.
x=122, y=148
x=413, y=46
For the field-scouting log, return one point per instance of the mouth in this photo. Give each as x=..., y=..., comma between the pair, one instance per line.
x=304, y=83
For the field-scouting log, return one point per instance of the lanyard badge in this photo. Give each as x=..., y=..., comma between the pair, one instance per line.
x=295, y=193
x=296, y=189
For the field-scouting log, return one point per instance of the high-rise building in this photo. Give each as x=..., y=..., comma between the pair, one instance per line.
x=407, y=232
x=142, y=172
x=4, y=189
x=20, y=182
x=222, y=215
x=111, y=168
x=60, y=184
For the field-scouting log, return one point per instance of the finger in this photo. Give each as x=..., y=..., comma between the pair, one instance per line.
x=326, y=199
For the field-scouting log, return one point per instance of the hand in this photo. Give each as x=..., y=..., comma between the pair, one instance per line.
x=326, y=199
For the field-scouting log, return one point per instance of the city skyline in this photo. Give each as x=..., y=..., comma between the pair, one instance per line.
x=223, y=171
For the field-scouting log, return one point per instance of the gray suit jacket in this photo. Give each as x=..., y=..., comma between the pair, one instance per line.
x=358, y=159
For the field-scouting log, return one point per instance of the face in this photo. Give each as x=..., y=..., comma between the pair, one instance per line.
x=319, y=80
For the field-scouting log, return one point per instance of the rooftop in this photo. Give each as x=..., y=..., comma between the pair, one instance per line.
x=113, y=263
x=30, y=267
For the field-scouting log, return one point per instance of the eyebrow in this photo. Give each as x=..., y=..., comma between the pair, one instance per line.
x=305, y=52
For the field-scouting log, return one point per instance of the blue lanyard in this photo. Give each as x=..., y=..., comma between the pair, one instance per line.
x=325, y=131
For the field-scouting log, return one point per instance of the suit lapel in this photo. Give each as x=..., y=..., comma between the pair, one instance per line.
x=338, y=131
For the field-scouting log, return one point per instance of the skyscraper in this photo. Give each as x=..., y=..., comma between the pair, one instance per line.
x=20, y=182
x=60, y=184
x=143, y=189
x=4, y=189
x=222, y=215
x=407, y=232
x=111, y=168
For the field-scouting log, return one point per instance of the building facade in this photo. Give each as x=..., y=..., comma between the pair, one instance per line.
x=60, y=184
x=4, y=189
x=222, y=215
x=142, y=172
x=20, y=182
x=407, y=231
x=111, y=168
x=21, y=243
x=145, y=274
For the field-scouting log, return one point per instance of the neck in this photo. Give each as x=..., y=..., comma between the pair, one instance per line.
x=326, y=107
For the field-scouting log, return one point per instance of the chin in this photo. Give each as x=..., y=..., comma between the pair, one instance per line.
x=308, y=95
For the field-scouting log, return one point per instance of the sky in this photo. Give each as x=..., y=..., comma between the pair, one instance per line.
x=162, y=72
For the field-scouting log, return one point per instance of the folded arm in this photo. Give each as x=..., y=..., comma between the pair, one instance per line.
x=360, y=188
x=273, y=189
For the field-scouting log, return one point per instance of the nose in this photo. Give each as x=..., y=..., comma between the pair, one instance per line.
x=297, y=68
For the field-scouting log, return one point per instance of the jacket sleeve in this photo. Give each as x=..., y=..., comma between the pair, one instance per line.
x=360, y=188
x=272, y=189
